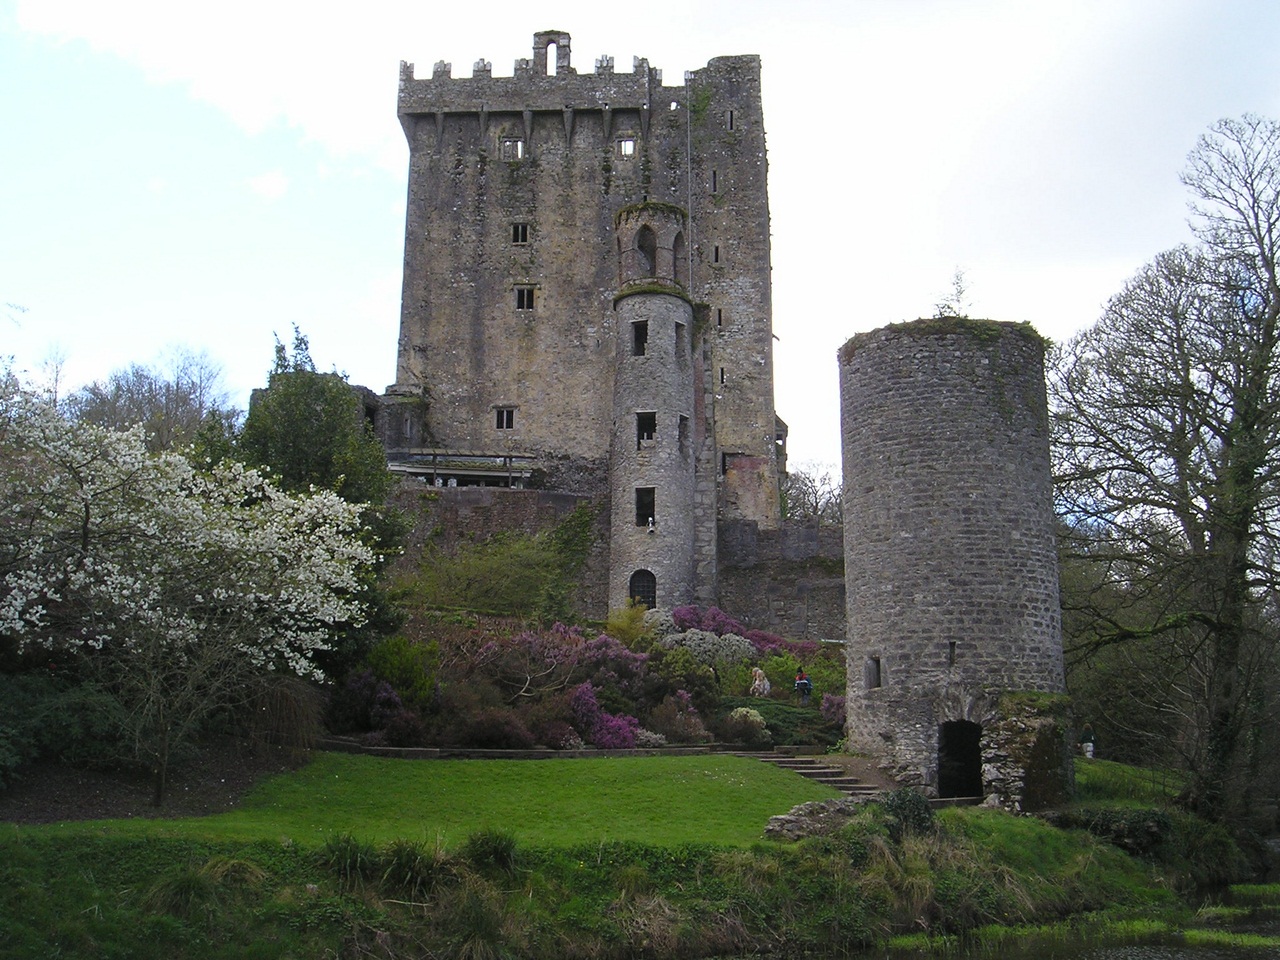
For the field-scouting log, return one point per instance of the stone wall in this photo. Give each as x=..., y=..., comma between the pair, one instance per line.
x=789, y=581
x=444, y=518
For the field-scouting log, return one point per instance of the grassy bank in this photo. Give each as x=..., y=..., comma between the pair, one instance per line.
x=356, y=857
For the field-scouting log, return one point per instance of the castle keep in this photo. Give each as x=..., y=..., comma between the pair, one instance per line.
x=586, y=301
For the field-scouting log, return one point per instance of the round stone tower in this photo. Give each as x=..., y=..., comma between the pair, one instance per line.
x=651, y=465
x=954, y=626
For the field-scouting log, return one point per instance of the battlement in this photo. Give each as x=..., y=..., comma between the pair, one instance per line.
x=534, y=85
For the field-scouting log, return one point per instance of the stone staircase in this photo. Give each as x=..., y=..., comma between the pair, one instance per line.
x=816, y=768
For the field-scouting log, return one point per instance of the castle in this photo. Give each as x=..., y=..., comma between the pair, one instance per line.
x=586, y=316
x=586, y=302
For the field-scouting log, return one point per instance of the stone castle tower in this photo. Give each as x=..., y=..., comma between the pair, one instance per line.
x=953, y=619
x=586, y=304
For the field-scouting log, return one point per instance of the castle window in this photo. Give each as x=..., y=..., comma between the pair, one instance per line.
x=683, y=434
x=645, y=499
x=680, y=348
x=951, y=653
x=646, y=428
x=639, y=337
x=524, y=298
x=871, y=673
x=719, y=317
x=504, y=418
x=512, y=148
x=627, y=147
x=728, y=119
x=715, y=181
x=722, y=374
x=680, y=257
x=643, y=589
x=715, y=253
x=519, y=233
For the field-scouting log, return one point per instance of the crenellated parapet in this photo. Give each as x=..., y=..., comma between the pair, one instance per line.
x=534, y=86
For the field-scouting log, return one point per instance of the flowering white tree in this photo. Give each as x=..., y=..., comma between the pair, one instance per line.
x=176, y=590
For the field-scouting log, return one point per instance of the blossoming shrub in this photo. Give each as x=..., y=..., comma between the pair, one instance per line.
x=745, y=726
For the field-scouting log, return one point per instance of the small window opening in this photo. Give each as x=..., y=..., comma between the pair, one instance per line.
x=715, y=253
x=719, y=317
x=505, y=418
x=675, y=105
x=519, y=233
x=680, y=348
x=951, y=653
x=639, y=337
x=646, y=427
x=683, y=433
x=729, y=119
x=645, y=500
x=680, y=257
x=627, y=147
x=643, y=589
x=551, y=60
x=722, y=374
x=715, y=181
x=512, y=148
x=524, y=298
x=871, y=673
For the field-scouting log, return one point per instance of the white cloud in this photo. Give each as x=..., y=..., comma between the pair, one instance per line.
x=273, y=185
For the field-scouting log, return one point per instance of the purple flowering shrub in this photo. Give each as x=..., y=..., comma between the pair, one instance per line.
x=604, y=730
x=713, y=620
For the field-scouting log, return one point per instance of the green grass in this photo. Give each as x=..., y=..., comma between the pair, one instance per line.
x=658, y=800
x=1100, y=781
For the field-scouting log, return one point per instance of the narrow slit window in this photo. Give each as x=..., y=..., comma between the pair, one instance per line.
x=871, y=673
x=715, y=181
x=519, y=233
x=728, y=117
x=627, y=147
x=719, y=317
x=512, y=148
x=504, y=418
x=722, y=374
x=645, y=498
x=524, y=298
x=951, y=653
x=715, y=253
x=639, y=338
x=683, y=433
x=680, y=348
x=646, y=427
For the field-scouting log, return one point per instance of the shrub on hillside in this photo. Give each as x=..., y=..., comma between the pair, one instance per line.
x=677, y=719
x=745, y=726
x=495, y=729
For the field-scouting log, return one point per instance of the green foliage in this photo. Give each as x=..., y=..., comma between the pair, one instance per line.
x=909, y=812
x=789, y=723
x=627, y=624
x=411, y=668
x=309, y=429
x=509, y=574
x=1100, y=781
x=491, y=849
x=353, y=861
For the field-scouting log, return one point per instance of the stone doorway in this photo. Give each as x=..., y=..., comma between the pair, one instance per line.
x=959, y=759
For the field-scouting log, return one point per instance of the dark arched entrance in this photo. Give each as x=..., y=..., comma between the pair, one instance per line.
x=959, y=759
x=643, y=588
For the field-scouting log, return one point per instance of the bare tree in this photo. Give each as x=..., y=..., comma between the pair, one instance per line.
x=811, y=492
x=1167, y=449
x=171, y=400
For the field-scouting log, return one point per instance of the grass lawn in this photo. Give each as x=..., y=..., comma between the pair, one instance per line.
x=660, y=800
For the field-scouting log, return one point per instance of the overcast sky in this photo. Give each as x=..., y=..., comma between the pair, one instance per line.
x=205, y=176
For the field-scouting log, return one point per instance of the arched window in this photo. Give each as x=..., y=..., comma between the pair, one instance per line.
x=682, y=260
x=644, y=588
x=647, y=244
